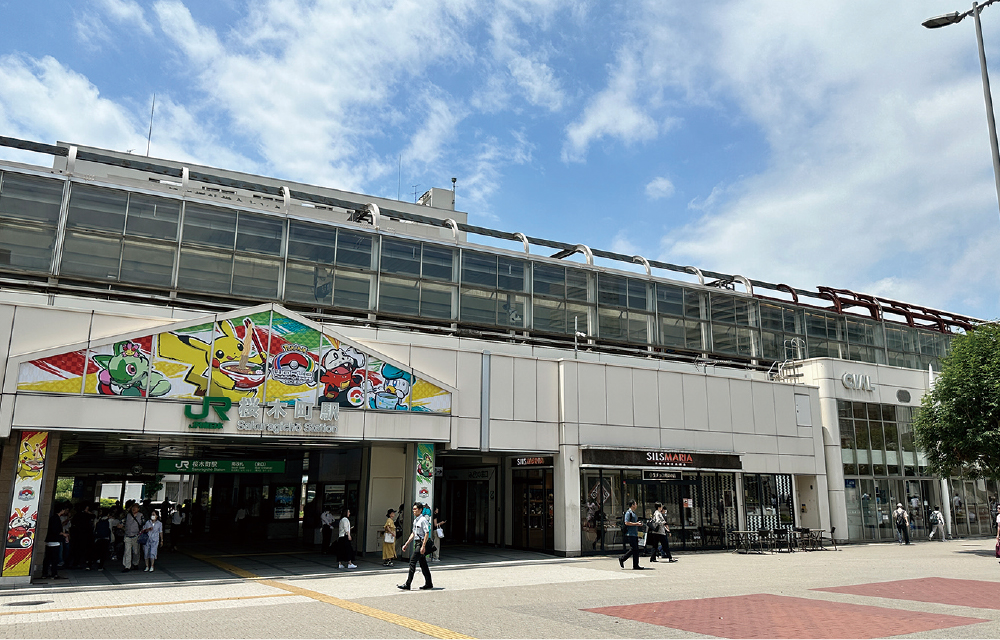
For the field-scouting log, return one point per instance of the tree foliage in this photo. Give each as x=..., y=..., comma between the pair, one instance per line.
x=958, y=425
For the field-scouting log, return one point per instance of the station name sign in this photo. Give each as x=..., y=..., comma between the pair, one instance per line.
x=660, y=458
x=267, y=418
x=221, y=466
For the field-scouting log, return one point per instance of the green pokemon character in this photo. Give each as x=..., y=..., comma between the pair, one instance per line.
x=125, y=373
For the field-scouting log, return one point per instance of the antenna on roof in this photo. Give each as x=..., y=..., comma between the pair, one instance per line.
x=150, y=135
x=415, y=192
x=399, y=175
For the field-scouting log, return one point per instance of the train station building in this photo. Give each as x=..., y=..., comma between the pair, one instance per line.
x=252, y=344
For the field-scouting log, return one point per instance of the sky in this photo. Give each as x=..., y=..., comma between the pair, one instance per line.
x=813, y=143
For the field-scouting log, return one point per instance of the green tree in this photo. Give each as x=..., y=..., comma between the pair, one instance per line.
x=958, y=425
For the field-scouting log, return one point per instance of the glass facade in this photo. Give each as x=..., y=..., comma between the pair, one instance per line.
x=170, y=244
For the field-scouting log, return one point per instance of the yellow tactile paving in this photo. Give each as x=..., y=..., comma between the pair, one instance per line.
x=425, y=628
x=141, y=604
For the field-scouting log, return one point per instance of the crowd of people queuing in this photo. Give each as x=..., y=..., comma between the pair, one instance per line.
x=91, y=537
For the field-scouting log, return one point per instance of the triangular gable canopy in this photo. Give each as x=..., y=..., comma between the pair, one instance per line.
x=266, y=352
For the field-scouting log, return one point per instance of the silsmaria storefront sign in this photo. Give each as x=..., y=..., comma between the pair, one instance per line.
x=221, y=466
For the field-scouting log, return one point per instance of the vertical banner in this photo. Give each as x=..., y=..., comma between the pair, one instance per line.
x=24, y=505
x=424, y=485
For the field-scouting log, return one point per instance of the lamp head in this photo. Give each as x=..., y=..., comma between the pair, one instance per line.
x=943, y=20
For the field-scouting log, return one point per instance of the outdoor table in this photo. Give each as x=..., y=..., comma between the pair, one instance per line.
x=745, y=540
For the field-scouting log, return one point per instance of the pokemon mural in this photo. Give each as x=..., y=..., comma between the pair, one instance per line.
x=267, y=355
x=23, y=517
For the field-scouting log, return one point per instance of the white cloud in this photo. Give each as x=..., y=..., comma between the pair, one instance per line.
x=438, y=129
x=612, y=113
x=659, y=188
x=127, y=13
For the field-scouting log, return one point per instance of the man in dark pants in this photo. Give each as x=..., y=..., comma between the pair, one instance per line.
x=631, y=537
x=420, y=538
x=902, y=519
x=53, y=537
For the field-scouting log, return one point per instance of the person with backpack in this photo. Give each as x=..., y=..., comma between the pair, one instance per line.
x=936, y=521
x=101, y=549
x=630, y=520
x=902, y=519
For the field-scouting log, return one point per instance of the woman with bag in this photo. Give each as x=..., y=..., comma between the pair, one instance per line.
x=388, y=539
x=438, y=534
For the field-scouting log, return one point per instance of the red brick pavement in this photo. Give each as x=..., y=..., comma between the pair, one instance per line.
x=966, y=593
x=771, y=616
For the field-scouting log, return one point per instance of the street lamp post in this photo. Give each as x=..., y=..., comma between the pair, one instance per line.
x=956, y=17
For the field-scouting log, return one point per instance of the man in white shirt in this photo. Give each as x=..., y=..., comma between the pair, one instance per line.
x=326, y=519
x=937, y=524
x=421, y=539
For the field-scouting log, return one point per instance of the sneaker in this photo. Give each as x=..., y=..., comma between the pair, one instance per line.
x=672, y=560
x=404, y=587
x=351, y=565
x=151, y=569
x=340, y=565
x=146, y=569
x=621, y=561
x=640, y=568
x=427, y=587
x=126, y=570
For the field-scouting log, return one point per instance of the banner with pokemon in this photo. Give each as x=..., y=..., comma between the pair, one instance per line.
x=263, y=353
x=23, y=518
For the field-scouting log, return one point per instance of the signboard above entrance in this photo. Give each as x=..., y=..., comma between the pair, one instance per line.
x=221, y=466
x=660, y=458
x=655, y=474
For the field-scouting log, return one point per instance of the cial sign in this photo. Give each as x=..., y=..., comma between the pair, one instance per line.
x=857, y=382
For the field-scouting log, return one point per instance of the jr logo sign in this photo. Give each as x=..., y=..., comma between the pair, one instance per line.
x=221, y=406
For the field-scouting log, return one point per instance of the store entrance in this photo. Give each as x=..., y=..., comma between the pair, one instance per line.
x=532, y=504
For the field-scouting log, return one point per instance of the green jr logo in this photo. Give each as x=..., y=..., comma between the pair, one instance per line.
x=221, y=406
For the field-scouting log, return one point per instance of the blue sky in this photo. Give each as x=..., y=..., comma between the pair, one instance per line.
x=836, y=143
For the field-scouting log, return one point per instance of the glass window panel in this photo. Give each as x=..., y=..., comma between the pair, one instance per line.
x=259, y=234
x=256, y=276
x=637, y=294
x=151, y=217
x=478, y=306
x=512, y=310
x=669, y=299
x=815, y=325
x=354, y=250
x=685, y=334
x=746, y=312
x=205, y=270
x=309, y=283
x=147, y=262
x=771, y=345
x=549, y=280
x=435, y=300
x=549, y=315
x=438, y=262
x=513, y=274
x=30, y=198
x=209, y=226
x=400, y=257
x=97, y=209
x=352, y=290
x=638, y=327
x=861, y=437
x=479, y=269
x=744, y=341
x=577, y=285
x=26, y=247
x=312, y=242
x=892, y=457
x=876, y=441
x=612, y=291
x=723, y=308
x=91, y=256
x=844, y=409
x=578, y=315
x=864, y=332
x=396, y=295
x=694, y=301
x=612, y=323
x=771, y=317
x=723, y=339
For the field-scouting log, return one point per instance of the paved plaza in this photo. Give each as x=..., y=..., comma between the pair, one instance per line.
x=949, y=589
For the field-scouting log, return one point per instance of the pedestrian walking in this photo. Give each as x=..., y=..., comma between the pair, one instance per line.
x=902, y=519
x=399, y=530
x=632, y=524
x=131, y=526
x=389, y=539
x=54, y=537
x=101, y=549
x=438, y=534
x=420, y=537
x=660, y=533
x=326, y=520
x=936, y=521
x=176, y=527
x=345, y=548
x=154, y=536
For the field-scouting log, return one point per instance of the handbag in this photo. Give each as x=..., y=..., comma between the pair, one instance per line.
x=439, y=532
x=998, y=547
x=389, y=538
x=144, y=538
